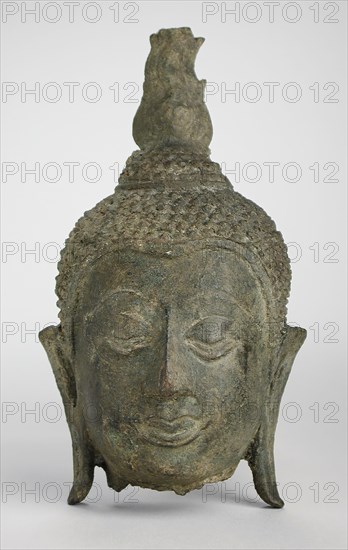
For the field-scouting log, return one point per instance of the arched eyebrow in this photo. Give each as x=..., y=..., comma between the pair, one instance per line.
x=225, y=296
x=120, y=290
x=127, y=300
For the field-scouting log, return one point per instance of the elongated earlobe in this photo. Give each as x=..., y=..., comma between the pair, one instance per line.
x=83, y=455
x=261, y=452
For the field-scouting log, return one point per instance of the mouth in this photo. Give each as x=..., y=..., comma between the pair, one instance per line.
x=170, y=433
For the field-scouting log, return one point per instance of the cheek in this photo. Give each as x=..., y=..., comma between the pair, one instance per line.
x=120, y=386
x=249, y=392
x=242, y=382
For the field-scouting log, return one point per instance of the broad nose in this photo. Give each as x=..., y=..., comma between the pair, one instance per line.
x=174, y=371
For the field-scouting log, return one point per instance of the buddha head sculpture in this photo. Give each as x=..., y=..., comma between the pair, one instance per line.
x=173, y=351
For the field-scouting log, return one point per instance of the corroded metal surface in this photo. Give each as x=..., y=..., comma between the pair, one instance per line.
x=173, y=350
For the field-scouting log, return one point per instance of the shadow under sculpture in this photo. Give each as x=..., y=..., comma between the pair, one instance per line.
x=173, y=351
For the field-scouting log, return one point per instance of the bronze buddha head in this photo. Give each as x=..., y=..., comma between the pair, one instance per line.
x=173, y=350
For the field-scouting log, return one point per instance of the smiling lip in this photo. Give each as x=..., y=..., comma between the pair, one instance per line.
x=170, y=433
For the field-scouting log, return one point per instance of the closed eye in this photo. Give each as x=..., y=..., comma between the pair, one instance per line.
x=128, y=333
x=212, y=338
x=122, y=333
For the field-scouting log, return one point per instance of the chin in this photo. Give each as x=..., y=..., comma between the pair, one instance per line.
x=166, y=478
x=164, y=462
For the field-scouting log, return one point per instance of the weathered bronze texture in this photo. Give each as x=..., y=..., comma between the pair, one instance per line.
x=173, y=351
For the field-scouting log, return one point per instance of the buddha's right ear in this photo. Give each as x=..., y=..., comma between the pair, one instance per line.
x=52, y=340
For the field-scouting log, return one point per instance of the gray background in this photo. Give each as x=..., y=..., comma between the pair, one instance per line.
x=311, y=435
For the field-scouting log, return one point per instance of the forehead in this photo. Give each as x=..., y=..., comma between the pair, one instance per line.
x=205, y=276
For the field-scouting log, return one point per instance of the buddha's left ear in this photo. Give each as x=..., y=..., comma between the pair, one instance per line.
x=261, y=453
x=52, y=340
